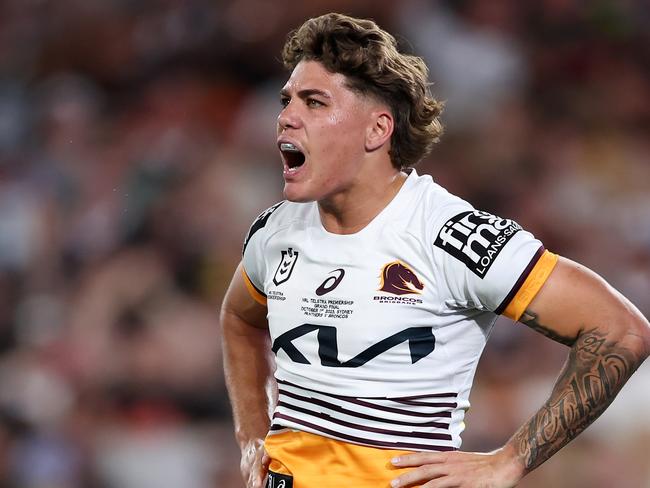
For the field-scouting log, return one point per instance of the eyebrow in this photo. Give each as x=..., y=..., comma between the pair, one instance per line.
x=305, y=93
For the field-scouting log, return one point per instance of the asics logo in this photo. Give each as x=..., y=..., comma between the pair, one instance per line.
x=330, y=282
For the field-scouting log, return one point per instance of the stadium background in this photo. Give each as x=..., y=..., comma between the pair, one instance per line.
x=137, y=145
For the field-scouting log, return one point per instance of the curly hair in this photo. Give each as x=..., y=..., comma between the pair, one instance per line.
x=368, y=57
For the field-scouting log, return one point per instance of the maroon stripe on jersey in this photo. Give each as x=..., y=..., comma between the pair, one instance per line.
x=365, y=428
x=368, y=442
x=352, y=413
x=430, y=395
x=343, y=397
x=427, y=404
x=400, y=411
x=499, y=310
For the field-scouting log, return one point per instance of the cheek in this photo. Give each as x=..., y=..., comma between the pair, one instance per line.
x=342, y=139
x=347, y=133
x=345, y=121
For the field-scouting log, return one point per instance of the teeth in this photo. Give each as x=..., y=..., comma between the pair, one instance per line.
x=287, y=146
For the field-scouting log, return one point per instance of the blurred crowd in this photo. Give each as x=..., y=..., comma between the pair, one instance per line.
x=137, y=144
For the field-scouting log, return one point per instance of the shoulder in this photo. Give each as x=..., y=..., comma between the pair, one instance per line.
x=443, y=210
x=431, y=206
x=275, y=218
x=430, y=197
x=458, y=230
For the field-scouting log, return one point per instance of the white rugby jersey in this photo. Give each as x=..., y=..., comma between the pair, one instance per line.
x=377, y=334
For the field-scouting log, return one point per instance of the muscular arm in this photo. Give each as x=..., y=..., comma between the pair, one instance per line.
x=609, y=339
x=248, y=368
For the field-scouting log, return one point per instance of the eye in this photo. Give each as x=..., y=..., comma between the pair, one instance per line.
x=284, y=101
x=312, y=102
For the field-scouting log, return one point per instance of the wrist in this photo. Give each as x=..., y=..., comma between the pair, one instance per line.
x=250, y=445
x=511, y=466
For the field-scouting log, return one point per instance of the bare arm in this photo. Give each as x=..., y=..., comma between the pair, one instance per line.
x=249, y=374
x=609, y=339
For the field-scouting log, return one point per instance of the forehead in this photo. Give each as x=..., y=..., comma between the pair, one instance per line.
x=312, y=75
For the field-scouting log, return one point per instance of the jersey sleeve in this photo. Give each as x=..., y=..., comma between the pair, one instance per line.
x=254, y=258
x=489, y=263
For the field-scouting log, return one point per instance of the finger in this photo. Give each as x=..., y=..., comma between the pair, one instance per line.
x=258, y=471
x=253, y=479
x=266, y=460
x=444, y=482
x=419, y=459
x=253, y=476
x=258, y=481
x=419, y=475
x=264, y=471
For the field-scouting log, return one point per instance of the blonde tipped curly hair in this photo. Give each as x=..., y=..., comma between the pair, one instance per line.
x=368, y=56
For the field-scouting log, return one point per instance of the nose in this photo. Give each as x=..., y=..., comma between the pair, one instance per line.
x=288, y=117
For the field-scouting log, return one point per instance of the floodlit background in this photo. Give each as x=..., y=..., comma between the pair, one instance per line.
x=137, y=145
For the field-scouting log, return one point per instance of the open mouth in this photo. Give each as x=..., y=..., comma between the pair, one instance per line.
x=293, y=156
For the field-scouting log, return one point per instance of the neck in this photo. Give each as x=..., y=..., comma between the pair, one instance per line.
x=350, y=212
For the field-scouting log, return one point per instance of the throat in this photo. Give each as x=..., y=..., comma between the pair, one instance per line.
x=352, y=212
x=337, y=223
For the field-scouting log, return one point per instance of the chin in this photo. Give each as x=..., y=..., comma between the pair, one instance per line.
x=297, y=198
x=297, y=195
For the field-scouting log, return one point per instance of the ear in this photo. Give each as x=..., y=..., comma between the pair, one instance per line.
x=380, y=130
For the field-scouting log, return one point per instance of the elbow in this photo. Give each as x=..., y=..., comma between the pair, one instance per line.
x=646, y=339
x=638, y=336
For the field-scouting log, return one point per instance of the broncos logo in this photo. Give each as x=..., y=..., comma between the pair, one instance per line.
x=397, y=278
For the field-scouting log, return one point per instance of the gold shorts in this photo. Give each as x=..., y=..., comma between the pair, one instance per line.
x=314, y=461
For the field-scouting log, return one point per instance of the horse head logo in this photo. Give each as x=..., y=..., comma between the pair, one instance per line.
x=397, y=278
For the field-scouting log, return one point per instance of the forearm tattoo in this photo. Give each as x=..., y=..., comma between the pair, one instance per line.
x=595, y=371
x=531, y=319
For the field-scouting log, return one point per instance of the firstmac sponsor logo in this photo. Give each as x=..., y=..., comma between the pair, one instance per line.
x=476, y=238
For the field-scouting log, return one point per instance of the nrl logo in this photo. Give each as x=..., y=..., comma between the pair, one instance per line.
x=285, y=268
x=397, y=278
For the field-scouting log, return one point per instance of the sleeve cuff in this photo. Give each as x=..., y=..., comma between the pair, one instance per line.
x=257, y=295
x=531, y=285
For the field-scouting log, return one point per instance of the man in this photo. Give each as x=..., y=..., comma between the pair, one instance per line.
x=372, y=291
